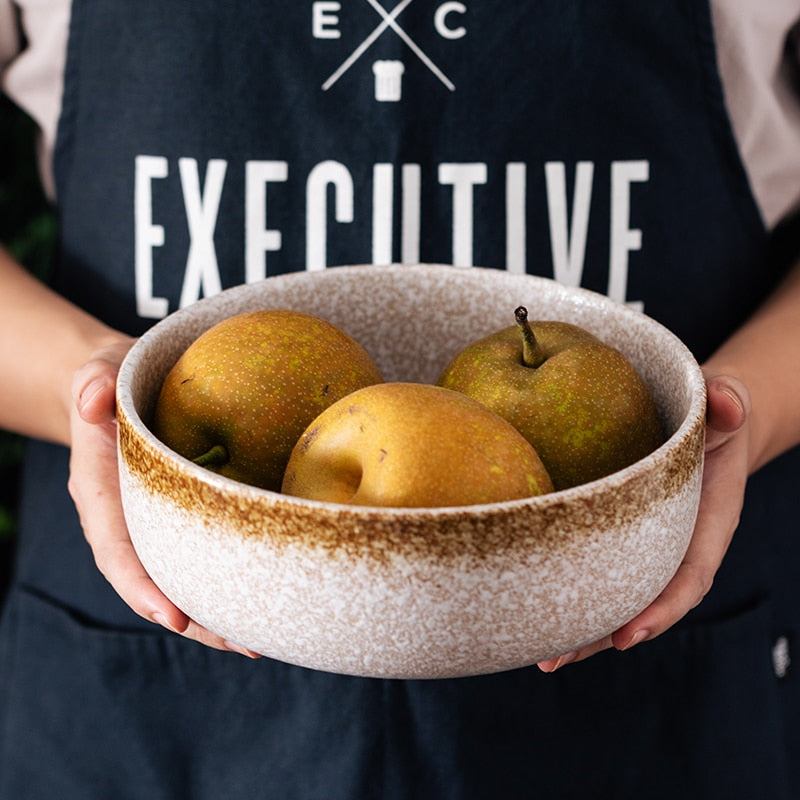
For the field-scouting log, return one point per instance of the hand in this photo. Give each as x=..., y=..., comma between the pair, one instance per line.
x=724, y=478
x=94, y=486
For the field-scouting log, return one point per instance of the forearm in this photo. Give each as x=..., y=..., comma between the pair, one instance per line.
x=43, y=340
x=765, y=355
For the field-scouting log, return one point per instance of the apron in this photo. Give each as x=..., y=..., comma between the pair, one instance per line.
x=206, y=144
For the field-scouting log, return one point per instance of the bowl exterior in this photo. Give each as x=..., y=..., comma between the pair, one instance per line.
x=419, y=593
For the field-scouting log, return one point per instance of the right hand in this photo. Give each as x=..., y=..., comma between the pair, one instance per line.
x=94, y=487
x=724, y=478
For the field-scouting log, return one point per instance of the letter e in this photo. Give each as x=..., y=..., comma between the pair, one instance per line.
x=623, y=238
x=147, y=235
x=258, y=240
x=324, y=20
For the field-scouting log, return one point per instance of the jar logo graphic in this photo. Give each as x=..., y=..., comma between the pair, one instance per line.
x=388, y=80
x=388, y=73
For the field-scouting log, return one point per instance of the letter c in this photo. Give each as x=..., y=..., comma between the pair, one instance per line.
x=440, y=20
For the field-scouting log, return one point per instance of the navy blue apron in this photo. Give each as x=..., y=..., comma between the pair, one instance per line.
x=205, y=144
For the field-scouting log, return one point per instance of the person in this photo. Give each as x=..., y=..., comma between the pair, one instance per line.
x=650, y=151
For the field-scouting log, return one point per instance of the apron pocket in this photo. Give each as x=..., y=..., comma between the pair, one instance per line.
x=697, y=713
x=93, y=713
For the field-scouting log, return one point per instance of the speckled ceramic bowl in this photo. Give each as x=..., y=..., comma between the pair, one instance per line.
x=420, y=593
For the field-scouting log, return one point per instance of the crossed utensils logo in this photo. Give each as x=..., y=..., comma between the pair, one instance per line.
x=389, y=73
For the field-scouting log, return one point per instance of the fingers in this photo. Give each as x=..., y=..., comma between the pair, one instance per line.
x=552, y=664
x=724, y=479
x=94, y=487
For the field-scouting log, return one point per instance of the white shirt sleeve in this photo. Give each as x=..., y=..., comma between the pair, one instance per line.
x=34, y=77
x=760, y=69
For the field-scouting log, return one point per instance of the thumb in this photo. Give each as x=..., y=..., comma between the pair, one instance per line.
x=94, y=384
x=94, y=397
x=728, y=409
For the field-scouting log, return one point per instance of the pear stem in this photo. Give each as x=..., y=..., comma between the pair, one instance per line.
x=532, y=355
x=215, y=457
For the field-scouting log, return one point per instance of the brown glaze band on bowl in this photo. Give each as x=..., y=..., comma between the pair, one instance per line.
x=414, y=593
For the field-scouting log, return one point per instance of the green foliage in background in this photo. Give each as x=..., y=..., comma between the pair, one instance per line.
x=27, y=229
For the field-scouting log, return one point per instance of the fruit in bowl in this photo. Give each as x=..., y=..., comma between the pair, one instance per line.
x=577, y=400
x=413, y=445
x=413, y=592
x=241, y=394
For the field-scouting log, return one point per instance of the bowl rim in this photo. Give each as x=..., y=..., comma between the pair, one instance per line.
x=693, y=419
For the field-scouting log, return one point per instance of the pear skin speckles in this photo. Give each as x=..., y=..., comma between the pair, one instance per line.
x=252, y=383
x=413, y=445
x=585, y=410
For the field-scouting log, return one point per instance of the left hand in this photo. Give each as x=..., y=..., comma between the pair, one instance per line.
x=724, y=478
x=94, y=486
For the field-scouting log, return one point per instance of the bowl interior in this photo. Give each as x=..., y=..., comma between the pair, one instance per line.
x=414, y=319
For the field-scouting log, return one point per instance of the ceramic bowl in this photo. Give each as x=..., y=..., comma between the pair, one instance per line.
x=413, y=593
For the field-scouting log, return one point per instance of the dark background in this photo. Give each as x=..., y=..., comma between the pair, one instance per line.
x=27, y=229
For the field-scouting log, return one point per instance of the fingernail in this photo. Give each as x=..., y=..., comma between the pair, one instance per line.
x=638, y=636
x=562, y=660
x=735, y=397
x=241, y=650
x=90, y=391
x=161, y=620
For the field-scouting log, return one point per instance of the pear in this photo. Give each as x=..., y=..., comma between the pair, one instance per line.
x=579, y=402
x=242, y=393
x=412, y=445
